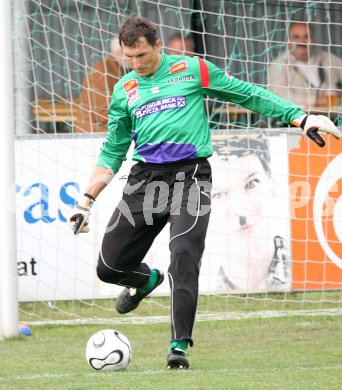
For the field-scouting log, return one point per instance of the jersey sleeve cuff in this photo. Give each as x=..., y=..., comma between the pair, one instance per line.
x=113, y=167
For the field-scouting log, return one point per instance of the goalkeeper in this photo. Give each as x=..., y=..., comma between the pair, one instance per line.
x=159, y=106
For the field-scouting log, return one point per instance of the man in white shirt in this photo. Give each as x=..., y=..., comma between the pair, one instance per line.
x=305, y=74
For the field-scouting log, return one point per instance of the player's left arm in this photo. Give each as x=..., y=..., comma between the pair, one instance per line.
x=226, y=87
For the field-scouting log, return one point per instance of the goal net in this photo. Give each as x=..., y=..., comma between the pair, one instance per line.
x=274, y=240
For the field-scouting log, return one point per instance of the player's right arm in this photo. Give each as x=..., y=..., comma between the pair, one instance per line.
x=79, y=217
x=112, y=154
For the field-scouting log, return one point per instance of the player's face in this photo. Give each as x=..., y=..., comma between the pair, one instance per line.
x=299, y=42
x=241, y=208
x=143, y=58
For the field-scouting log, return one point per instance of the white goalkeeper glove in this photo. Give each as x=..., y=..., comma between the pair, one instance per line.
x=79, y=217
x=311, y=124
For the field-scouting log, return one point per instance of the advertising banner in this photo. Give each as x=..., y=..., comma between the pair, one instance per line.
x=248, y=236
x=316, y=214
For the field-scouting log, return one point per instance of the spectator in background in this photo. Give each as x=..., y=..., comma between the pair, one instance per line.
x=179, y=45
x=303, y=73
x=97, y=89
x=250, y=250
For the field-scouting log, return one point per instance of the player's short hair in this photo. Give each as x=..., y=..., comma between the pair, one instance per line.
x=243, y=146
x=136, y=27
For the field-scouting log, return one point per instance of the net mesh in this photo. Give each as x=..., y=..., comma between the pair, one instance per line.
x=57, y=42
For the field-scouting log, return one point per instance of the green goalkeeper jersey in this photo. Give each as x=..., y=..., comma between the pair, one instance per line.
x=165, y=115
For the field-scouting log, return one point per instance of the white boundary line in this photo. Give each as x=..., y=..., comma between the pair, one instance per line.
x=19, y=378
x=199, y=318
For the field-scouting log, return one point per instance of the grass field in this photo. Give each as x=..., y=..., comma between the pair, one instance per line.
x=293, y=352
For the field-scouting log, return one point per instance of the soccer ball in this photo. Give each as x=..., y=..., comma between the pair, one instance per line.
x=108, y=349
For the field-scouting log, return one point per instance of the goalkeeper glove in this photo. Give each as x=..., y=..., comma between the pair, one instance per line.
x=311, y=124
x=78, y=220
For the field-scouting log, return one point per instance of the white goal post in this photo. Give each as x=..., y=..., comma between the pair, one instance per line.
x=8, y=250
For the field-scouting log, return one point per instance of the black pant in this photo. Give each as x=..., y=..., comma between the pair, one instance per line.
x=155, y=194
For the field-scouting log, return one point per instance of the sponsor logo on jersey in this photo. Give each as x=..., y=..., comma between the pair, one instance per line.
x=169, y=103
x=181, y=79
x=178, y=67
x=133, y=97
x=129, y=85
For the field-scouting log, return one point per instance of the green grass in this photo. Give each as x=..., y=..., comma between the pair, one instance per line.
x=296, y=352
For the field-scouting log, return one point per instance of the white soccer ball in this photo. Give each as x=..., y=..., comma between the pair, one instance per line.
x=108, y=349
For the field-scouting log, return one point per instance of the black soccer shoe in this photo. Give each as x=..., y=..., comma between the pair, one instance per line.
x=129, y=298
x=176, y=359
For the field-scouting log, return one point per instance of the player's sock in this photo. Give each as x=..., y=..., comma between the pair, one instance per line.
x=151, y=282
x=183, y=345
x=129, y=298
